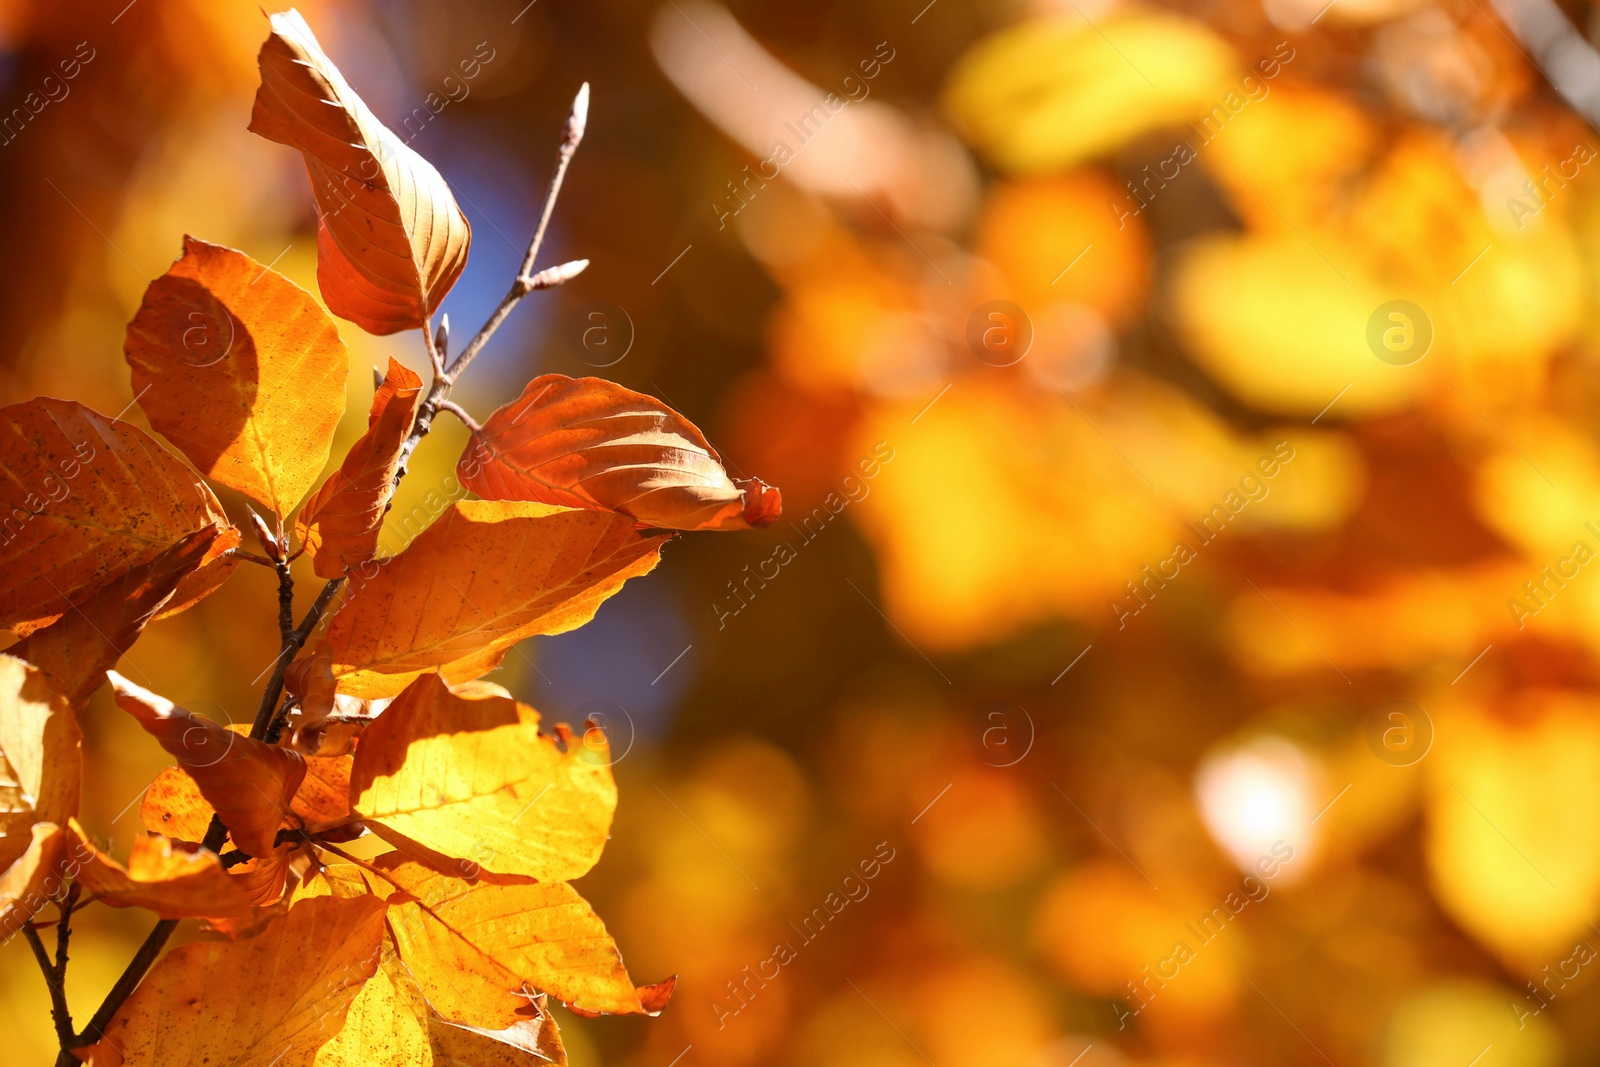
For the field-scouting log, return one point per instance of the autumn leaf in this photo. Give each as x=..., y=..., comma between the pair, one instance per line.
x=390, y=1023
x=33, y=877
x=473, y=946
x=76, y=650
x=590, y=443
x=390, y=239
x=249, y=783
x=242, y=370
x=87, y=499
x=513, y=801
x=173, y=805
x=173, y=883
x=41, y=767
x=483, y=577
x=341, y=521
x=207, y=1002
x=310, y=680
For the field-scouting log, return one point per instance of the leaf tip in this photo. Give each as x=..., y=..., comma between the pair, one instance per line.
x=137, y=700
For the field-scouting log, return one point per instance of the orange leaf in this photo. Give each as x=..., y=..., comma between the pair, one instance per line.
x=390, y=239
x=76, y=650
x=173, y=883
x=249, y=783
x=590, y=443
x=207, y=1002
x=482, y=578
x=513, y=801
x=173, y=806
x=309, y=680
x=41, y=772
x=474, y=946
x=242, y=370
x=41, y=768
x=340, y=523
x=88, y=498
x=36, y=876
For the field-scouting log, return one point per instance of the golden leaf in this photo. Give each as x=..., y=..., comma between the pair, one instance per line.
x=341, y=521
x=242, y=370
x=89, y=498
x=473, y=947
x=513, y=801
x=390, y=239
x=207, y=1002
x=41, y=768
x=482, y=578
x=590, y=443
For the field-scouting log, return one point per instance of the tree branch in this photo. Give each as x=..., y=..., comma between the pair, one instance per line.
x=525, y=282
x=54, y=978
x=270, y=720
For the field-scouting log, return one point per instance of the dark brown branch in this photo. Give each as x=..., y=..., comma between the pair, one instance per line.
x=120, y=992
x=56, y=980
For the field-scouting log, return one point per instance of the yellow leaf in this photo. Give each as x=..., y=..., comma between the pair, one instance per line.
x=41, y=768
x=242, y=370
x=208, y=1002
x=512, y=802
x=390, y=239
x=341, y=521
x=473, y=947
x=1050, y=92
x=35, y=877
x=170, y=882
x=482, y=578
x=88, y=498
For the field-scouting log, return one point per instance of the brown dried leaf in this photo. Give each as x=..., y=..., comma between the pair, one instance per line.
x=88, y=498
x=341, y=521
x=76, y=650
x=390, y=239
x=242, y=370
x=249, y=783
x=590, y=443
x=483, y=577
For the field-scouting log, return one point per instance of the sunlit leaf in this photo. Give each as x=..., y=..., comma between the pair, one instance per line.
x=40, y=764
x=390, y=239
x=341, y=521
x=88, y=499
x=513, y=802
x=242, y=370
x=590, y=443
x=483, y=577
x=472, y=947
x=207, y=1002
x=173, y=883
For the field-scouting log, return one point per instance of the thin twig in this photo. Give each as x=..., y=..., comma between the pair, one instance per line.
x=459, y=412
x=52, y=978
x=121, y=991
x=572, y=134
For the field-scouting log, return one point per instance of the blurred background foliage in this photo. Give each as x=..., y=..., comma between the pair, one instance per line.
x=1084, y=640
